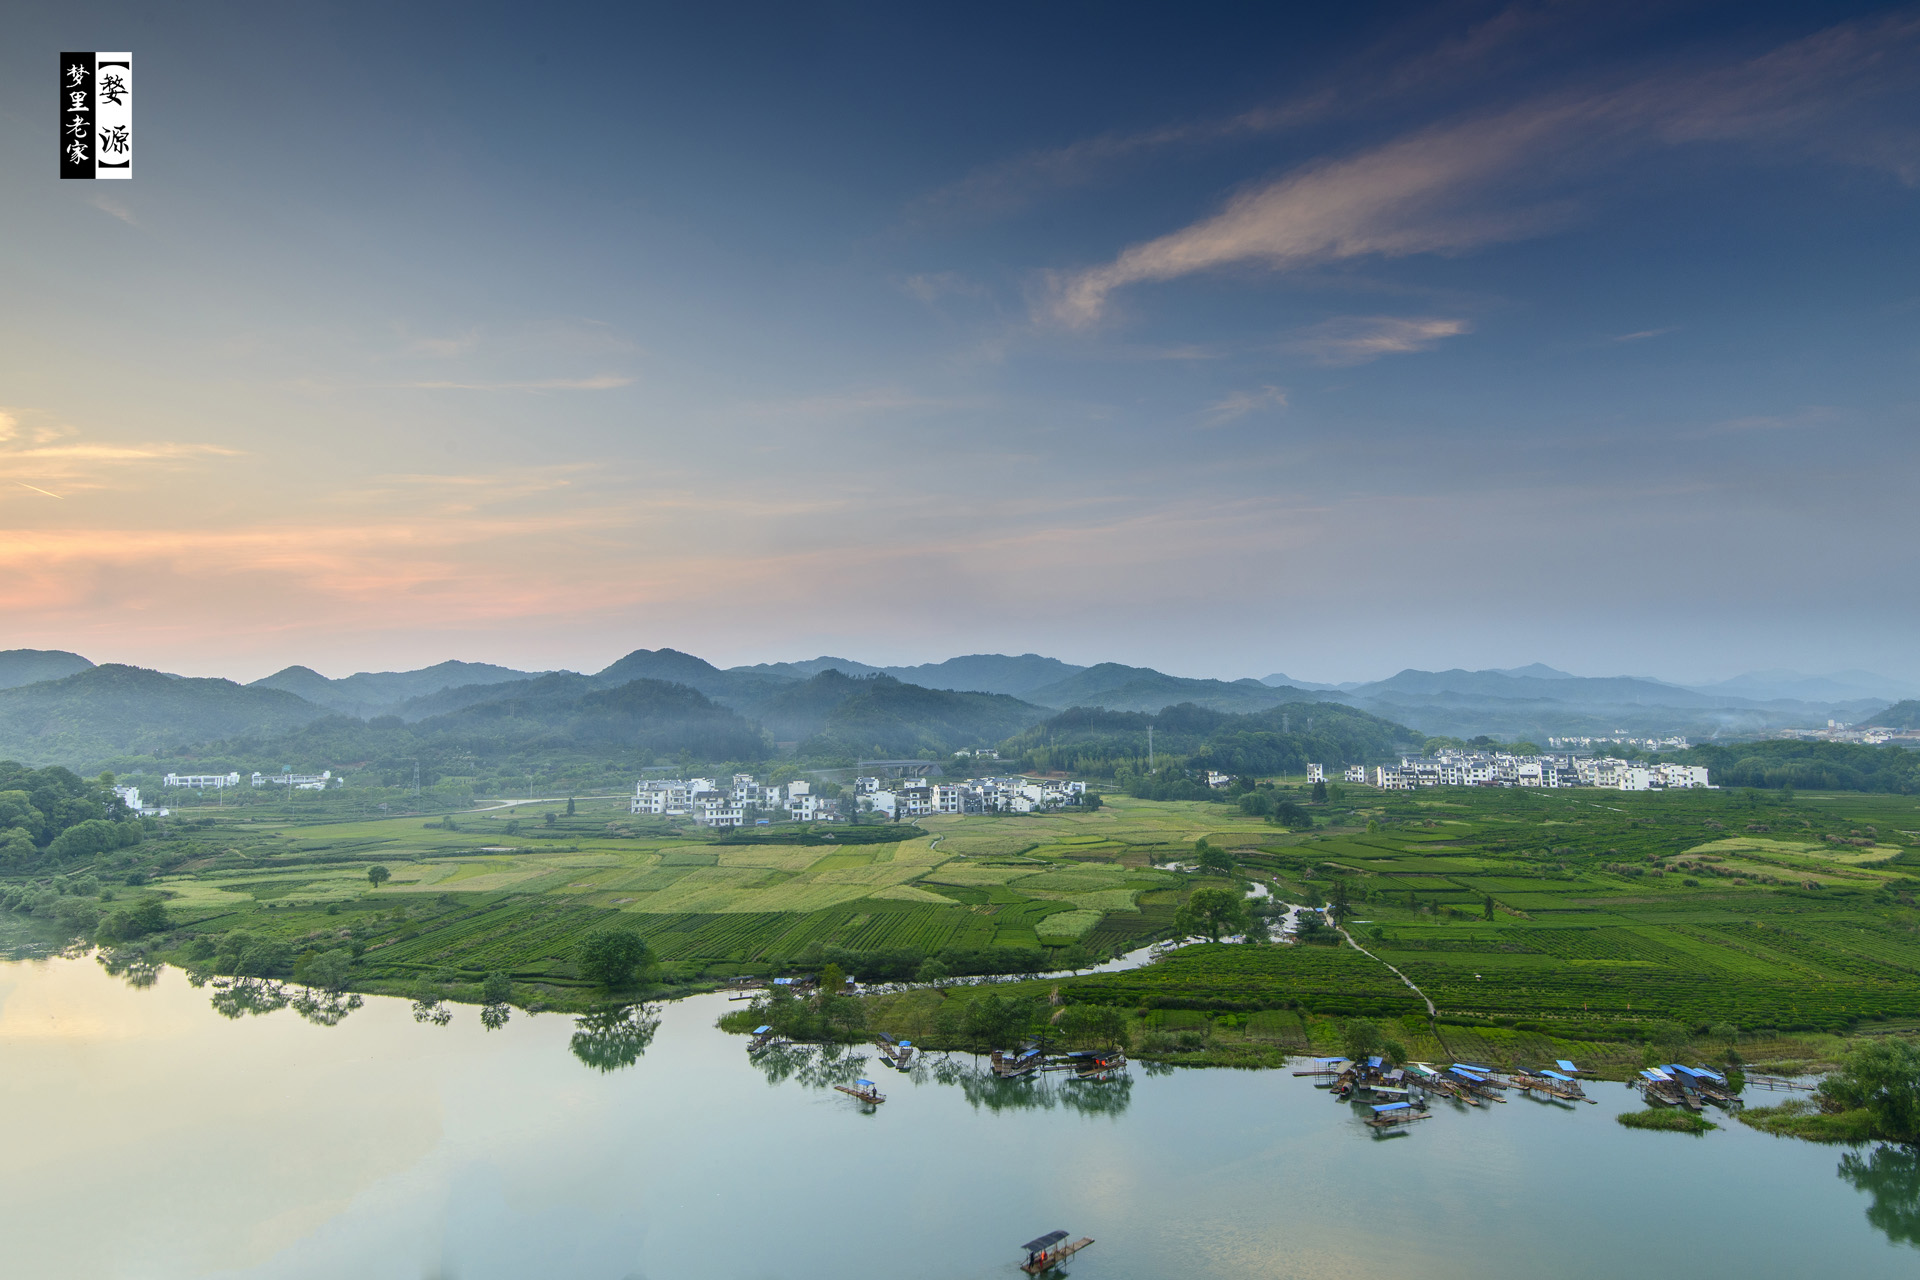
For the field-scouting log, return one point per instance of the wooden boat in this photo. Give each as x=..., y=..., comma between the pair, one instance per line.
x=1011, y=1066
x=1048, y=1251
x=1394, y=1115
x=865, y=1090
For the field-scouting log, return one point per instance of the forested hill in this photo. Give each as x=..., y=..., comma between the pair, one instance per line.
x=113, y=710
x=1809, y=766
x=877, y=717
x=1901, y=715
x=1100, y=743
x=30, y=666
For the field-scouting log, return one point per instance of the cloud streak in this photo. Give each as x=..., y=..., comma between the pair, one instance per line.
x=1465, y=184
x=1242, y=403
x=1350, y=340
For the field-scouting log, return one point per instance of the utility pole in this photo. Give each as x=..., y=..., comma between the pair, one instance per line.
x=416, y=784
x=1149, y=748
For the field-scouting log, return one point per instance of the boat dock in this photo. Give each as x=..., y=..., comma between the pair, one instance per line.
x=1395, y=1115
x=1048, y=1252
x=865, y=1090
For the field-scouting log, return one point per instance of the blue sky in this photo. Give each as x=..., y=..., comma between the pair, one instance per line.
x=1226, y=342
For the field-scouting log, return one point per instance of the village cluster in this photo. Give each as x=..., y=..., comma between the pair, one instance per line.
x=711, y=803
x=1498, y=769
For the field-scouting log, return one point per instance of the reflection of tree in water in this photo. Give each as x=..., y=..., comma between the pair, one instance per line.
x=325, y=1008
x=609, y=1039
x=131, y=964
x=1037, y=1092
x=249, y=996
x=1891, y=1175
x=494, y=1016
x=823, y=1066
x=817, y=1066
x=432, y=1010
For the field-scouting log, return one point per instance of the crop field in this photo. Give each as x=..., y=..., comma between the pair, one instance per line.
x=1586, y=913
x=1579, y=914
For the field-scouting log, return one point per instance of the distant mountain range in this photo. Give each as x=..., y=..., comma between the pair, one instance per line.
x=58, y=707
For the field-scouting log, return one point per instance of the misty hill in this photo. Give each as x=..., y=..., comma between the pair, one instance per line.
x=115, y=710
x=1538, y=702
x=1837, y=687
x=879, y=717
x=810, y=668
x=974, y=672
x=30, y=666
x=1277, y=740
x=374, y=692
x=1122, y=688
x=1901, y=715
x=555, y=714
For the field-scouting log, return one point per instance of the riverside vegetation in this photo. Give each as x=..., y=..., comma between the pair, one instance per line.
x=1613, y=928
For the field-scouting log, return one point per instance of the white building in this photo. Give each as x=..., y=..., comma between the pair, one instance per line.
x=1316, y=773
x=1356, y=773
x=1217, y=779
x=202, y=781
x=296, y=781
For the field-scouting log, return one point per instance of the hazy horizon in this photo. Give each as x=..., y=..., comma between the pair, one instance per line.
x=336, y=672
x=1326, y=342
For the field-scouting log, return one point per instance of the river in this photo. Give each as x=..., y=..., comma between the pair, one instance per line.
x=150, y=1137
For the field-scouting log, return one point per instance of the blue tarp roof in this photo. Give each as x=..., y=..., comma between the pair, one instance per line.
x=1392, y=1106
x=760, y=1031
x=783, y=982
x=1468, y=1066
x=1565, y=1066
x=1555, y=1075
x=864, y=1083
x=1714, y=1076
x=1373, y=1062
x=1465, y=1074
x=1652, y=1074
x=906, y=1044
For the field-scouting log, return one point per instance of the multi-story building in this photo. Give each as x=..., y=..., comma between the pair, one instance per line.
x=201, y=781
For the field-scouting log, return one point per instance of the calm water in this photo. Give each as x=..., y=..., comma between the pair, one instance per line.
x=148, y=1136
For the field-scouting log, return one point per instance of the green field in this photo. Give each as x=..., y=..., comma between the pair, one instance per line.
x=1613, y=916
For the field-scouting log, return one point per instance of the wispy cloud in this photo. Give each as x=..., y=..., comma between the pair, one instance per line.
x=1461, y=185
x=1241, y=403
x=1641, y=335
x=1352, y=340
x=600, y=382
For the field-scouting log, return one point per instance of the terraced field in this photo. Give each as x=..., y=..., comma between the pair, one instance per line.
x=483, y=897
x=1580, y=914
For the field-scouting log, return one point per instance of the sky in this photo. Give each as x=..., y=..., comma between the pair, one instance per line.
x=1228, y=340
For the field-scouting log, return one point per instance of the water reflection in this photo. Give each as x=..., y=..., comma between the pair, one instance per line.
x=432, y=1010
x=325, y=1008
x=132, y=965
x=494, y=1016
x=255, y=996
x=609, y=1039
x=1891, y=1175
x=818, y=1066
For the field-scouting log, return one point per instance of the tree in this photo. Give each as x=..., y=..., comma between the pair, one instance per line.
x=328, y=970
x=611, y=957
x=1360, y=1039
x=1213, y=858
x=569, y=806
x=1213, y=912
x=378, y=875
x=497, y=989
x=1883, y=1077
x=1320, y=791
x=932, y=969
x=833, y=980
x=552, y=818
x=1488, y=910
